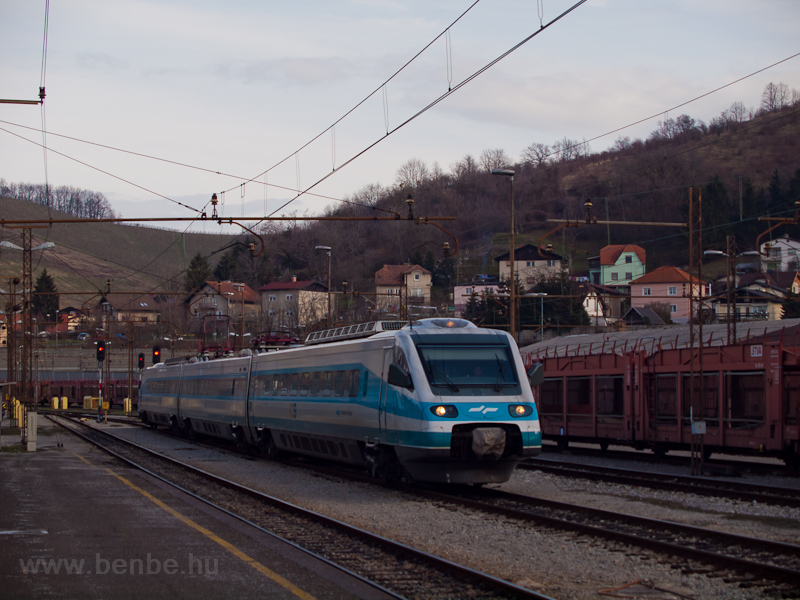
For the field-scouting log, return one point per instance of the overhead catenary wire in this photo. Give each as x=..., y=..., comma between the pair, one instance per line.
x=436, y=101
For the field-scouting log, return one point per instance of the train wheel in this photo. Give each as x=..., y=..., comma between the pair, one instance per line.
x=562, y=444
x=604, y=445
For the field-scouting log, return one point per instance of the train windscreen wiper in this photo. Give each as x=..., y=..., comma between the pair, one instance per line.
x=433, y=372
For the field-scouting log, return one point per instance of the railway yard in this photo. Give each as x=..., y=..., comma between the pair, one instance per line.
x=529, y=544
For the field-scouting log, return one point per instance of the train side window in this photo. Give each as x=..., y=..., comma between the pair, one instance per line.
x=579, y=396
x=552, y=397
x=353, y=387
x=664, y=397
x=338, y=384
x=327, y=382
x=791, y=384
x=706, y=400
x=313, y=384
x=746, y=398
x=610, y=396
x=366, y=378
x=400, y=358
x=284, y=383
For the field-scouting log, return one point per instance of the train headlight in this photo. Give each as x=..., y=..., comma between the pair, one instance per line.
x=520, y=410
x=445, y=410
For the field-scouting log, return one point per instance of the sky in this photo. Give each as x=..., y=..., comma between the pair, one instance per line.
x=160, y=104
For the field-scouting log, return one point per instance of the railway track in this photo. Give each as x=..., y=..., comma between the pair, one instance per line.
x=726, y=464
x=394, y=568
x=663, y=481
x=746, y=560
x=737, y=559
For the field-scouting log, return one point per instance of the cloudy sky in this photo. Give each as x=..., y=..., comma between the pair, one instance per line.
x=222, y=92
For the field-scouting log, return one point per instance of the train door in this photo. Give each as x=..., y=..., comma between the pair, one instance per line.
x=249, y=429
x=384, y=397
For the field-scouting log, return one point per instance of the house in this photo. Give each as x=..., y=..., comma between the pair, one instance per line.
x=464, y=291
x=70, y=315
x=138, y=309
x=288, y=305
x=641, y=315
x=617, y=265
x=758, y=297
x=224, y=298
x=402, y=285
x=603, y=304
x=780, y=255
x=667, y=285
x=530, y=265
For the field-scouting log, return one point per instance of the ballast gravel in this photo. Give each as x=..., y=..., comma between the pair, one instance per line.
x=562, y=565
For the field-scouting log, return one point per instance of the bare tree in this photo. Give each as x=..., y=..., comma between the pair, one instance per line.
x=568, y=149
x=536, y=154
x=466, y=166
x=775, y=97
x=738, y=113
x=412, y=173
x=622, y=143
x=495, y=158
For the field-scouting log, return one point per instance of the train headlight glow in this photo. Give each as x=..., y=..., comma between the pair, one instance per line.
x=445, y=410
x=520, y=410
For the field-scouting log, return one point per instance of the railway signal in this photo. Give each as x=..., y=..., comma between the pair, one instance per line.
x=141, y=360
x=101, y=351
x=156, y=354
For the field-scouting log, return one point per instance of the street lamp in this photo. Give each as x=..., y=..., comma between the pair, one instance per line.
x=513, y=285
x=240, y=286
x=541, y=311
x=328, y=251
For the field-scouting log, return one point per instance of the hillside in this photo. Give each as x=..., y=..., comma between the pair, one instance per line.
x=86, y=255
x=746, y=169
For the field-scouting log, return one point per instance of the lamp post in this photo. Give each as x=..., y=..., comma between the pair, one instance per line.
x=328, y=251
x=512, y=327
x=240, y=286
x=26, y=360
x=541, y=311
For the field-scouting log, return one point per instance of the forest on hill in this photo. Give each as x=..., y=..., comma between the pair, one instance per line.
x=746, y=161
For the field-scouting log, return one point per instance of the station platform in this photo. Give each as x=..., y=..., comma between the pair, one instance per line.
x=76, y=523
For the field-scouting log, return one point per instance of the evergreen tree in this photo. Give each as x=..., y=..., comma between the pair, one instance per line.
x=45, y=297
x=198, y=272
x=716, y=213
x=227, y=268
x=777, y=197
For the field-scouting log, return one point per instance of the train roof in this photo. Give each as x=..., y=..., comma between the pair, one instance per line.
x=671, y=337
x=363, y=330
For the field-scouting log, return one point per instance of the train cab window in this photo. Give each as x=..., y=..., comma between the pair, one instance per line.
x=477, y=370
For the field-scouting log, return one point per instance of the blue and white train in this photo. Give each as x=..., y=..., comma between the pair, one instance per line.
x=439, y=400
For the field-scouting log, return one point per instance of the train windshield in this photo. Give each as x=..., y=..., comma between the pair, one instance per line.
x=470, y=370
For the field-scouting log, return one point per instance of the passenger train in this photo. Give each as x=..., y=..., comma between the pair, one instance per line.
x=437, y=400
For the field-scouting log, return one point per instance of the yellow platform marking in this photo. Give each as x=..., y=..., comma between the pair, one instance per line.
x=211, y=535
